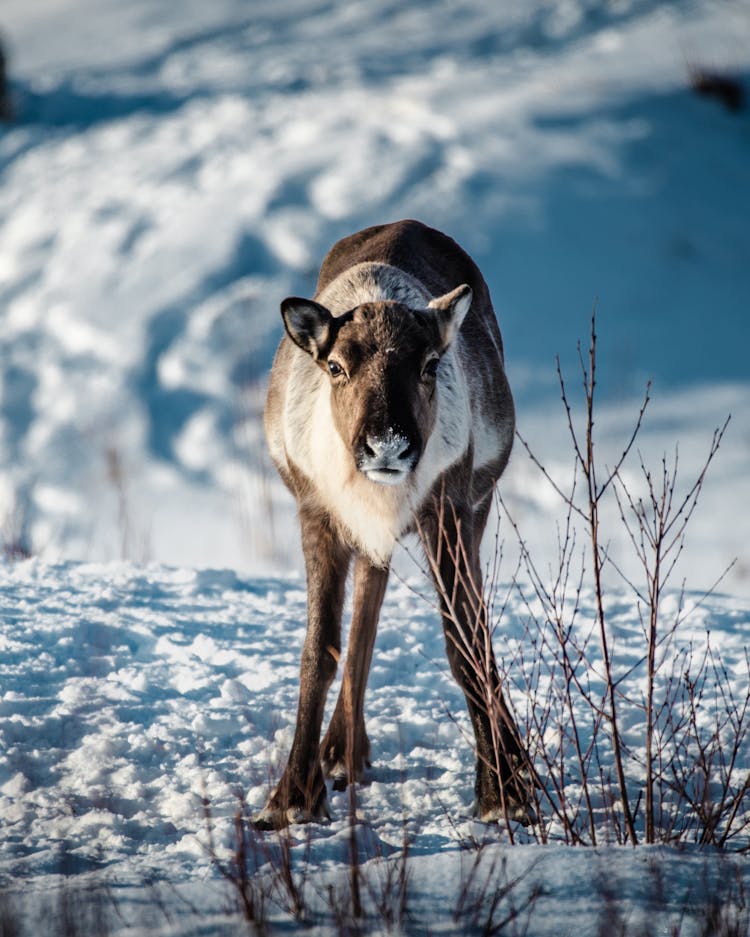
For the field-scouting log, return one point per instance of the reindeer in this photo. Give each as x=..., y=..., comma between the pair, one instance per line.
x=389, y=412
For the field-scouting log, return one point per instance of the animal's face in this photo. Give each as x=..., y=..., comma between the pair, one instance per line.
x=383, y=362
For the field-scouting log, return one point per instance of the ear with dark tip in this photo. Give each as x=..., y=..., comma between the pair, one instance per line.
x=450, y=311
x=308, y=324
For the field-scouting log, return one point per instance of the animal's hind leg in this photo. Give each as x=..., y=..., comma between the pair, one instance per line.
x=345, y=750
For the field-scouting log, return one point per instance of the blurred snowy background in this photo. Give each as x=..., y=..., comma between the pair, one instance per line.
x=172, y=171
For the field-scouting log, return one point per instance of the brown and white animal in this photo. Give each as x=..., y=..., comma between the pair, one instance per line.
x=389, y=412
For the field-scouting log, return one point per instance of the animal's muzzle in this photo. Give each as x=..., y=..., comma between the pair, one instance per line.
x=386, y=458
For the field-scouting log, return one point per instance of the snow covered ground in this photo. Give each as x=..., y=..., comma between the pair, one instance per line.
x=131, y=694
x=172, y=172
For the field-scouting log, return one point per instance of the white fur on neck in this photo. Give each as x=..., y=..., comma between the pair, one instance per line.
x=372, y=515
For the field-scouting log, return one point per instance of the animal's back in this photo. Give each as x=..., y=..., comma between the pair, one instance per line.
x=430, y=256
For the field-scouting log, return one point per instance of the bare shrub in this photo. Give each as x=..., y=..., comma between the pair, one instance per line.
x=624, y=751
x=693, y=785
x=15, y=538
x=487, y=901
x=134, y=543
x=260, y=872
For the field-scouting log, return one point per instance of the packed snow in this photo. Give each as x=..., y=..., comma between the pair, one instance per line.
x=171, y=172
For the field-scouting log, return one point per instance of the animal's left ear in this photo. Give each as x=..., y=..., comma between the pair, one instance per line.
x=308, y=324
x=450, y=311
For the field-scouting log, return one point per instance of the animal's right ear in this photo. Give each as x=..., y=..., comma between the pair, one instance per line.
x=449, y=311
x=308, y=324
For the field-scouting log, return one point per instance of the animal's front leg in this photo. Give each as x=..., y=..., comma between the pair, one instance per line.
x=346, y=750
x=300, y=795
x=502, y=786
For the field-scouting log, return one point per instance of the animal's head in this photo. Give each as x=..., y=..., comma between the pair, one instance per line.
x=383, y=362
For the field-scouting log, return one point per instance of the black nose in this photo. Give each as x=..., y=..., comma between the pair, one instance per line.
x=388, y=446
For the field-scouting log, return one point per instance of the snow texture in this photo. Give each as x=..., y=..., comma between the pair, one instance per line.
x=133, y=695
x=173, y=171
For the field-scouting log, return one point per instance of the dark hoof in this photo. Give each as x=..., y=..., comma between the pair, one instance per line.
x=516, y=813
x=273, y=817
x=343, y=756
x=338, y=773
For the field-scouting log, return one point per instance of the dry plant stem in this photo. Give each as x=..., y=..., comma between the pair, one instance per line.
x=555, y=601
x=722, y=808
x=556, y=638
x=465, y=606
x=251, y=896
x=292, y=894
x=656, y=530
x=354, y=869
x=116, y=476
x=403, y=876
x=482, y=893
x=739, y=716
x=594, y=493
x=390, y=897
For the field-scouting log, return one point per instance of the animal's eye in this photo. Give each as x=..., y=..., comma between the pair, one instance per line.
x=430, y=367
x=335, y=369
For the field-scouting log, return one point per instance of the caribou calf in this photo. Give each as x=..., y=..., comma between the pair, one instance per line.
x=388, y=412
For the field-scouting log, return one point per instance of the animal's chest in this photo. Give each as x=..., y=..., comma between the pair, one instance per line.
x=371, y=516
